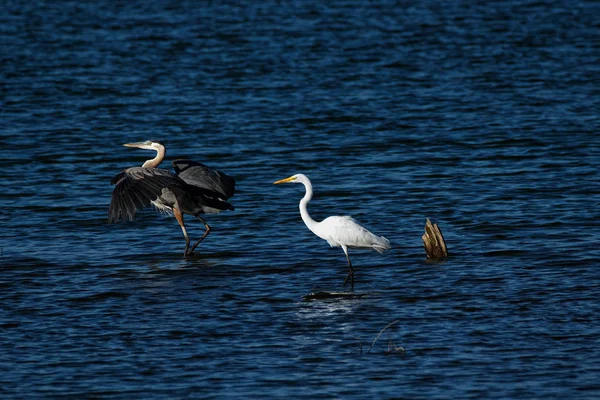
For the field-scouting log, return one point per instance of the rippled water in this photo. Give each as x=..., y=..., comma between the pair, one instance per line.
x=483, y=117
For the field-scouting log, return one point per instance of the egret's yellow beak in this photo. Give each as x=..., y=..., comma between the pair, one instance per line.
x=286, y=180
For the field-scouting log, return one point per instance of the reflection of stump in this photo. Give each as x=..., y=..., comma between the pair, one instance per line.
x=433, y=240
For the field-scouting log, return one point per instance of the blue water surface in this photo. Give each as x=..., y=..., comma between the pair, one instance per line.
x=482, y=116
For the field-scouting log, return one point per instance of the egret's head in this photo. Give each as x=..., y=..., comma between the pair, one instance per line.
x=298, y=178
x=148, y=145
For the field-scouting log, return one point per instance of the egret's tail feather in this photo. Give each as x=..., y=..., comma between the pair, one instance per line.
x=382, y=245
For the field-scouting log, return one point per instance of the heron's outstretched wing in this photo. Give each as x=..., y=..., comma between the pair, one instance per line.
x=136, y=188
x=201, y=176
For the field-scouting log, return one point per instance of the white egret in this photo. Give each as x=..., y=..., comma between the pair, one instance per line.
x=338, y=231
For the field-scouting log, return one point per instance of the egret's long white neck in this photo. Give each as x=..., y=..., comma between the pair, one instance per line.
x=155, y=162
x=310, y=223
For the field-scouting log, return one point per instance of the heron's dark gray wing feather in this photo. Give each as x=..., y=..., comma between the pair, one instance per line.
x=208, y=198
x=136, y=188
x=199, y=175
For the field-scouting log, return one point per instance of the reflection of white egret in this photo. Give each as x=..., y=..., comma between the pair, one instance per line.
x=339, y=231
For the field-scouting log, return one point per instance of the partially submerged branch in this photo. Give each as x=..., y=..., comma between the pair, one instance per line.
x=433, y=240
x=391, y=348
x=394, y=348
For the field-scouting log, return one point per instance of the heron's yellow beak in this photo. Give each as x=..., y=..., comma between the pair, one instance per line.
x=286, y=180
x=147, y=145
x=137, y=144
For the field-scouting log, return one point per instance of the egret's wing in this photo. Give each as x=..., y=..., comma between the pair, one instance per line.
x=136, y=188
x=344, y=230
x=201, y=176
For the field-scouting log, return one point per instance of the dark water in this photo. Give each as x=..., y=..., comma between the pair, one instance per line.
x=483, y=117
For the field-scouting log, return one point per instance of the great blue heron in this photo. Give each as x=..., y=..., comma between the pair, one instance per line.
x=193, y=189
x=339, y=231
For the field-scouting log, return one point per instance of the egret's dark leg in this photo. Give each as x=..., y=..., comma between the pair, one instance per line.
x=350, y=270
x=206, y=232
x=179, y=217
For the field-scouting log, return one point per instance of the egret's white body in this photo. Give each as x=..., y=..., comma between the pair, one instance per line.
x=338, y=231
x=345, y=232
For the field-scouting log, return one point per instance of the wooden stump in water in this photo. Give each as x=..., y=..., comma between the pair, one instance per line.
x=433, y=240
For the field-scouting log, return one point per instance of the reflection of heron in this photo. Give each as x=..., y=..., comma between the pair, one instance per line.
x=193, y=189
x=342, y=232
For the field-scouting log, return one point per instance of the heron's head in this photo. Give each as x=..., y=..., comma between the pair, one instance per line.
x=298, y=178
x=148, y=145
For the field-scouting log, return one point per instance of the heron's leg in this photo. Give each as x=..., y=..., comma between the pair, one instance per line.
x=350, y=270
x=179, y=217
x=206, y=232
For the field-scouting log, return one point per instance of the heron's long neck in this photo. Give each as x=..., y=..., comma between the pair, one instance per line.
x=155, y=162
x=310, y=223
